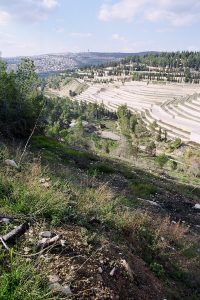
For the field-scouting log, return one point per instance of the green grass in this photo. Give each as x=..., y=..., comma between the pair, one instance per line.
x=20, y=280
x=51, y=146
x=17, y=196
x=72, y=198
x=142, y=190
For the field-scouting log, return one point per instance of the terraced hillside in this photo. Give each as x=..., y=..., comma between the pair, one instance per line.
x=73, y=85
x=174, y=107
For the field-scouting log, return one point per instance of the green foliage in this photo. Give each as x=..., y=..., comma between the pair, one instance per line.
x=19, y=197
x=59, y=113
x=161, y=160
x=20, y=99
x=173, y=165
x=180, y=60
x=102, y=168
x=133, y=122
x=175, y=144
x=21, y=281
x=157, y=269
x=124, y=116
x=141, y=129
x=143, y=190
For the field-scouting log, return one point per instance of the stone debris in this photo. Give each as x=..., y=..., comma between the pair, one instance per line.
x=63, y=290
x=54, y=279
x=46, y=234
x=45, y=182
x=63, y=243
x=127, y=267
x=11, y=163
x=5, y=221
x=45, y=242
x=197, y=206
x=46, y=185
x=42, y=180
x=113, y=271
x=42, y=241
x=27, y=250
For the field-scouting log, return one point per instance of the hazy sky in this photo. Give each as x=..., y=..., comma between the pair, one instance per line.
x=29, y=27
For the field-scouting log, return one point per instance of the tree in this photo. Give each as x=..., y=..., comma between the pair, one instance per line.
x=20, y=99
x=161, y=160
x=159, y=135
x=26, y=77
x=124, y=115
x=133, y=122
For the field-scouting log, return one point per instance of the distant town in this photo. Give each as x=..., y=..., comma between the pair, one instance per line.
x=50, y=63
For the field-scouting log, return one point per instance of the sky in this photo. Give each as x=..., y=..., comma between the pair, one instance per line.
x=31, y=27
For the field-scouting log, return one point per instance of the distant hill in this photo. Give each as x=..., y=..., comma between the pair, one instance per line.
x=49, y=63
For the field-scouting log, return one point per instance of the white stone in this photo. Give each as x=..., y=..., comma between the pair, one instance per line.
x=5, y=221
x=112, y=271
x=46, y=234
x=197, y=206
x=54, y=279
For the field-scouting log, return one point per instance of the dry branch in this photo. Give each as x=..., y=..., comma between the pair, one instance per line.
x=15, y=233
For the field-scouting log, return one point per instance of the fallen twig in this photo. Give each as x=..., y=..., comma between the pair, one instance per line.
x=25, y=255
x=18, y=231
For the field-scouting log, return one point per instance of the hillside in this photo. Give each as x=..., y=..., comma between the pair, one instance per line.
x=122, y=233
x=64, y=89
x=94, y=204
x=174, y=107
x=50, y=63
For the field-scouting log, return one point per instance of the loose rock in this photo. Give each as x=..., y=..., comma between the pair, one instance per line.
x=113, y=272
x=46, y=234
x=197, y=206
x=54, y=279
x=5, y=221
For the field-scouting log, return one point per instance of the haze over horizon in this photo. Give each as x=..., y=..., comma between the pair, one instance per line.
x=33, y=27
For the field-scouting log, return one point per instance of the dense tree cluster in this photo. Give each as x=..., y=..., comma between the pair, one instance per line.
x=20, y=99
x=59, y=113
x=172, y=60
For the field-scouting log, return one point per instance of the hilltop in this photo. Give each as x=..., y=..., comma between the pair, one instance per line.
x=52, y=63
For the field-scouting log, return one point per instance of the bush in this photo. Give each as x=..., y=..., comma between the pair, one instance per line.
x=157, y=269
x=173, y=165
x=161, y=160
x=174, y=144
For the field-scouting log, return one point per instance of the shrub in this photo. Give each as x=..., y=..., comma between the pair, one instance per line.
x=161, y=160
x=174, y=144
x=157, y=269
